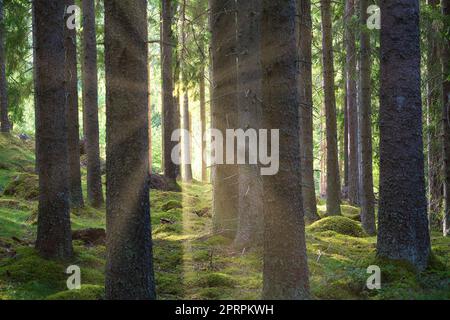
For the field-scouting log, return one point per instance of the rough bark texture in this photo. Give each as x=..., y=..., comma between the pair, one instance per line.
x=250, y=218
x=434, y=127
x=402, y=218
x=150, y=153
x=73, y=143
x=446, y=121
x=169, y=110
x=366, y=197
x=306, y=111
x=203, y=122
x=285, y=273
x=333, y=176
x=352, y=107
x=224, y=112
x=5, y=125
x=90, y=105
x=129, y=269
x=54, y=238
x=345, y=151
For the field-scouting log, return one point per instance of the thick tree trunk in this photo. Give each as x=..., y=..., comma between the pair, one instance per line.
x=367, y=199
x=203, y=122
x=446, y=121
x=90, y=105
x=187, y=167
x=306, y=111
x=352, y=107
x=70, y=44
x=250, y=219
x=54, y=238
x=5, y=125
x=224, y=112
x=129, y=269
x=285, y=274
x=169, y=110
x=333, y=179
x=402, y=218
x=434, y=114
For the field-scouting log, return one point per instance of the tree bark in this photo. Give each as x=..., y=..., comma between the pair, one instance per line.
x=434, y=127
x=446, y=121
x=352, y=108
x=187, y=170
x=5, y=124
x=306, y=111
x=129, y=269
x=367, y=198
x=285, y=272
x=224, y=112
x=169, y=110
x=333, y=179
x=250, y=217
x=54, y=238
x=203, y=122
x=90, y=105
x=150, y=153
x=73, y=129
x=402, y=218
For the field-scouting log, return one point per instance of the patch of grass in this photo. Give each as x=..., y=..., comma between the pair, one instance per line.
x=86, y=292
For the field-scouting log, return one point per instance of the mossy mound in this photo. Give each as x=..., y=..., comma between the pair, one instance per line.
x=216, y=280
x=171, y=204
x=25, y=186
x=86, y=292
x=351, y=212
x=338, y=224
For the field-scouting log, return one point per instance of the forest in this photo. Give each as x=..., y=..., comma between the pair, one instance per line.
x=224, y=150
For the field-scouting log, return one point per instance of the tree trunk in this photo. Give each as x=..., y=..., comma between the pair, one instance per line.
x=5, y=125
x=285, y=273
x=352, y=108
x=129, y=269
x=306, y=111
x=224, y=112
x=150, y=153
x=187, y=170
x=402, y=218
x=345, y=151
x=333, y=179
x=169, y=111
x=54, y=238
x=367, y=199
x=90, y=105
x=434, y=114
x=73, y=129
x=446, y=121
x=250, y=220
x=203, y=122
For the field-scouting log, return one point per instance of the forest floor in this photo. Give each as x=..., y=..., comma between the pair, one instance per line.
x=190, y=262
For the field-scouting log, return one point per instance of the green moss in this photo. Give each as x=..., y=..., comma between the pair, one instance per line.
x=339, y=224
x=214, y=294
x=25, y=186
x=216, y=280
x=171, y=204
x=86, y=292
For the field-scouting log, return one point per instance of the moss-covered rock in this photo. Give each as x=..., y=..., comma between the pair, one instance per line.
x=86, y=292
x=171, y=204
x=339, y=224
x=216, y=280
x=25, y=186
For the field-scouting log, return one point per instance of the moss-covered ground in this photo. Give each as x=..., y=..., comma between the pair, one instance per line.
x=190, y=262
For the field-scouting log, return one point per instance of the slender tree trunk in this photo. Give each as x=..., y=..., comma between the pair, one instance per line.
x=446, y=121
x=333, y=179
x=367, y=199
x=54, y=239
x=203, y=122
x=129, y=269
x=323, y=155
x=250, y=218
x=285, y=274
x=73, y=129
x=168, y=106
x=345, y=151
x=352, y=108
x=5, y=125
x=150, y=153
x=434, y=127
x=224, y=112
x=187, y=170
x=90, y=105
x=306, y=111
x=402, y=218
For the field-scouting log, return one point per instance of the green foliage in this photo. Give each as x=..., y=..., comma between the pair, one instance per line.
x=86, y=292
